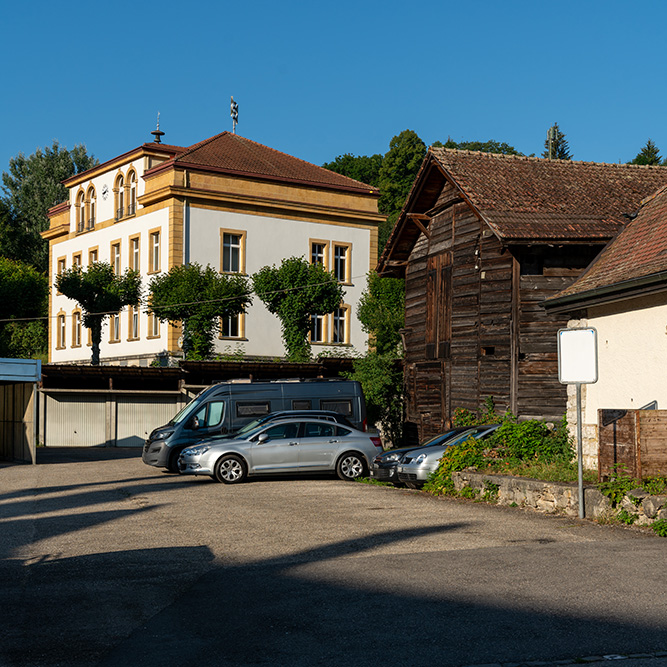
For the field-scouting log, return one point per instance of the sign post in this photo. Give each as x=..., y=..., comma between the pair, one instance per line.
x=578, y=364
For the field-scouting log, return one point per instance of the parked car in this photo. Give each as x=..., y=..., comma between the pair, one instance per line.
x=285, y=446
x=327, y=415
x=226, y=407
x=418, y=464
x=383, y=467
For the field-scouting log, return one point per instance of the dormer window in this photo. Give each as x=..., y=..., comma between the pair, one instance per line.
x=119, y=192
x=91, y=208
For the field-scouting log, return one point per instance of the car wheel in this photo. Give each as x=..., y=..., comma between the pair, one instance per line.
x=231, y=469
x=350, y=466
x=172, y=464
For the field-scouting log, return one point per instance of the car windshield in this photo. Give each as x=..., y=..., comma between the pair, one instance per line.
x=186, y=411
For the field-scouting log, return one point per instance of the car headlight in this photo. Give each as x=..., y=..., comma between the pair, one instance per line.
x=392, y=458
x=164, y=435
x=196, y=451
x=420, y=459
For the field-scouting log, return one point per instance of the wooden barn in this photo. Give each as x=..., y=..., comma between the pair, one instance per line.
x=482, y=241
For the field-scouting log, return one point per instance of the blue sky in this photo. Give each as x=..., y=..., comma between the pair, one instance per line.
x=320, y=79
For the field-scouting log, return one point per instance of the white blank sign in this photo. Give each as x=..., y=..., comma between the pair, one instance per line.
x=577, y=356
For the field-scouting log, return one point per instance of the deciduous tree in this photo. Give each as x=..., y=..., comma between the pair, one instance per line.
x=100, y=293
x=294, y=291
x=362, y=168
x=24, y=293
x=32, y=186
x=197, y=297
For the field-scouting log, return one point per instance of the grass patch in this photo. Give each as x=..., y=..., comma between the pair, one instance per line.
x=547, y=471
x=372, y=481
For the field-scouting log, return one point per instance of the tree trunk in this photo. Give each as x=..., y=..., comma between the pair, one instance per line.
x=96, y=338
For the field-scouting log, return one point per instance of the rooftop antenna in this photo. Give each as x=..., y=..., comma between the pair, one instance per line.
x=234, y=114
x=157, y=133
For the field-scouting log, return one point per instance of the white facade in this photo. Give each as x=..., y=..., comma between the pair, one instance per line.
x=170, y=219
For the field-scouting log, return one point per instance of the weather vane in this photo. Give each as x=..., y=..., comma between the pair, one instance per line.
x=234, y=114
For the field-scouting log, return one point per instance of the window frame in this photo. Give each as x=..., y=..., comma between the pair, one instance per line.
x=325, y=252
x=76, y=327
x=61, y=330
x=114, y=328
x=240, y=324
x=346, y=309
x=347, y=278
x=115, y=257
x=154, y=250
x=132, y=241
x=241, y=250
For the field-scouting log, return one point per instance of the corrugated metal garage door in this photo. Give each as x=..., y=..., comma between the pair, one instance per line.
x=137, y=416
x=75, y=421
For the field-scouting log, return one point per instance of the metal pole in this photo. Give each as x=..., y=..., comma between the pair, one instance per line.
x=580, y=458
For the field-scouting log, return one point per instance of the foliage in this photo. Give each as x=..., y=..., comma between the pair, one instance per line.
x=100, y=293
x=294, y=291
x=625, y=517
x=488, y=415
x=491, y=491
x=24, y=295
x=490, y=146
x=363, y=168
x=381, y=311
x=381, y=379
x=198, y=297
x=468, y=492
x=649, y=154
x=397, y=174
x=32, y=186
x=560, y=149
x=660, y=527
x=620, y=485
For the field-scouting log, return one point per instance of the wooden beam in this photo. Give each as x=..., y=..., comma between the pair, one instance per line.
x=417, y=218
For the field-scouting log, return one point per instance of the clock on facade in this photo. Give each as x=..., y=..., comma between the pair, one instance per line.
x=105, y=191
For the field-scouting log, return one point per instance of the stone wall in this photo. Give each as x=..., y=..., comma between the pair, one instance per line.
x=560, y=497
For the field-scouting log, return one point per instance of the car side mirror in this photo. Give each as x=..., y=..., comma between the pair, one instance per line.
x=263, y=437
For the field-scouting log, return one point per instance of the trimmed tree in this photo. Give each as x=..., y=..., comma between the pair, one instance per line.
x=101, y=294
x=294, y=292
x=198, y=297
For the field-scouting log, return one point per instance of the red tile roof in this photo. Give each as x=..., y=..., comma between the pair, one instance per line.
x=536, y=199
x=233, y=154
x=639, y=251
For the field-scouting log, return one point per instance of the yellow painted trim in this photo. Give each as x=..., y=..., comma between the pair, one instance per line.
x=242, y=249
x=326, y=244
x=116, y=243
x=77, y=258
x=93, y=249
x=61, y=327
x=175, y=258
x=112, y=322
x=76, y=311
x=61, y=266
x=156, y=231
x=348, y=260
x=130, y=314
x=241, y=335
x=151, y=319
x=130, y=259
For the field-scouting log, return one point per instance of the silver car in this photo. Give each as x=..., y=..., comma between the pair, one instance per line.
x=286, y=446
x=418, y=464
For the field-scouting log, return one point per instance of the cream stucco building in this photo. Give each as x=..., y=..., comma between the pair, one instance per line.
x=227, y=202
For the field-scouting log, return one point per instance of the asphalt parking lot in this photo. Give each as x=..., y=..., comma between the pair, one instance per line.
x=106, y=561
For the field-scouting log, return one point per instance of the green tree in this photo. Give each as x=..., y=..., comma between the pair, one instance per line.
x=490, y=146
x=24, y=295
x=362, y=168
x=647, y=155
x=100, y=293
x=560, y=149
x=294, y=292
x=381, y=311
x=31, y=187
x=397, y=174
x=198, y=297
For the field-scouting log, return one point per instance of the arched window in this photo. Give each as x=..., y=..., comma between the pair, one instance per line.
x=80, y=212
x=132, y=203
x=91, y=208
x=119, y=192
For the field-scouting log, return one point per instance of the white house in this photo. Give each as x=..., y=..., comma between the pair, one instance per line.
x=228, y=202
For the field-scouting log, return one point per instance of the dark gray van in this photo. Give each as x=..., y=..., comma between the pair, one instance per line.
x=227, y=406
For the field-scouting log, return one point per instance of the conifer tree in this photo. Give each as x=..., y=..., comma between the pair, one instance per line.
x=647, y=155
x=560, y=149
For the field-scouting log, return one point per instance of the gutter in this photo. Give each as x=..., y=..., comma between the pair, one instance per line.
x=643, y=286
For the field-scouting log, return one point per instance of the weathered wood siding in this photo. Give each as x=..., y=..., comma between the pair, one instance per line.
x=632, y=442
